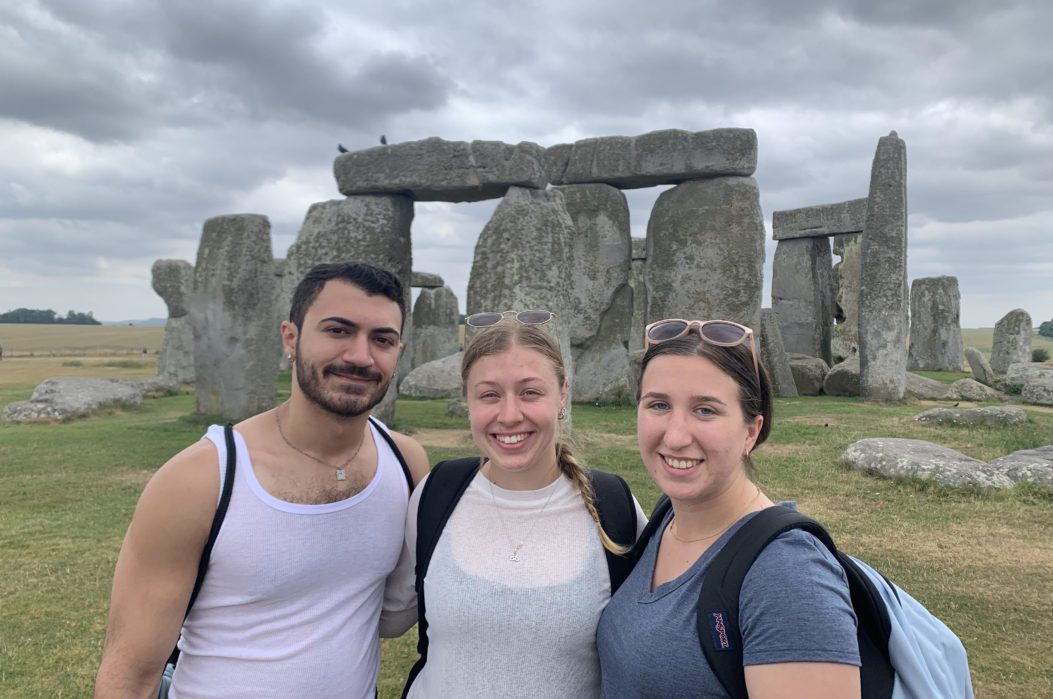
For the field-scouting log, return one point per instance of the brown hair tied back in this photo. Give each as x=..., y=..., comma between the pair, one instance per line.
x=504, y=335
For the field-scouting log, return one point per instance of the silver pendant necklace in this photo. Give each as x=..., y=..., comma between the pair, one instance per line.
x=516, y=548
x=341, y=471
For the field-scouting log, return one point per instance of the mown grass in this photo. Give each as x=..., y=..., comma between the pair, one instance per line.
x=983, y=339
x=981, y=561
x=26, y=339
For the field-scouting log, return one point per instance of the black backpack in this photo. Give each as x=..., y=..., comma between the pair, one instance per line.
x=443, y=490
x=936, y=666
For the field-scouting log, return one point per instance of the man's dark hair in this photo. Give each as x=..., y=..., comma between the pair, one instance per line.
x=370, y=279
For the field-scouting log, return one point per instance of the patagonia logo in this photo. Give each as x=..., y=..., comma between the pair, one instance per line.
x=718, y=626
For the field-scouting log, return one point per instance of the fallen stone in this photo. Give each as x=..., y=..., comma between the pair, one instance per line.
x=974, y=391
x=1035, y=465
x=929, y=389
x=63, y=398
x=671, y=156
x=990, y=416
x=935, y=327
x=438, y=379
x=809, y=373
x=820, y=221
x=883, y=278
x=843, y=378
x=980, y=367
x=457, y=408
x=773, y=355
x=426, y=280
x=438, y=170
x=1038, y=392
x=914, y=458
x=1012, y=340
x=1023, y=373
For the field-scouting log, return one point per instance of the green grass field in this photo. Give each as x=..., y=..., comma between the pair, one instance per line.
x=20, y=339
x=980, y=561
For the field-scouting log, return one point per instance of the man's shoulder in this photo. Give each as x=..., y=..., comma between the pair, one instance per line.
x=414, y=454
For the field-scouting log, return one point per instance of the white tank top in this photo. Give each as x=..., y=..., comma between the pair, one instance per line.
x=293, y=594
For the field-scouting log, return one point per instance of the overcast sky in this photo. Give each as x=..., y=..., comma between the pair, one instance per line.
x=124, y=124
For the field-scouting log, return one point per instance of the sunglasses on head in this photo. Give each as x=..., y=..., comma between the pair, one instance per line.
x=722, y=333
x=482, y=320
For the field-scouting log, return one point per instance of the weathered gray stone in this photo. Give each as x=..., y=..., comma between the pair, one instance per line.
x=522, y=261
x=914, y=458
x=929, y=389
x=993, y=417
x=820, y=221
x=1022, y=373
x=802, y=295
x=1038, y=392
x=980, y=367
x=555, y=161
x=971, y=390
x=457, y=408
x=232, y=315
x=284, y=288
x=705, y=252
x=773, y=355
x=172, y=280
x=63, y=398
x=435, y=333
x=637, y=271
x=843, y=378
x=438, y=170
x=373, y=229
x=935, y=326
x=671, y=156
x=844, y=336
x=883, y=277
x=601, y=296
x=1012, y=340
x=426, y=280
x=1035, y=465
x=437, y=379
x=809, y=373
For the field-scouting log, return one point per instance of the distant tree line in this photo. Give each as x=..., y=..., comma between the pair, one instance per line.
x=47, y=317
x=1046, y=329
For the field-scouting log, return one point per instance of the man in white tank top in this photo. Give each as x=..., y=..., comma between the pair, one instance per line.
x=303, y=571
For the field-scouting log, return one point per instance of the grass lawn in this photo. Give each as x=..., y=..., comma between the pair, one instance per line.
x=981, y=561
x=21, y=339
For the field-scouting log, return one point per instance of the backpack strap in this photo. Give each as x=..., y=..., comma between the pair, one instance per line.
x=442, y=491
x=718, y=603
x=658, y=512
x=614, y=503
x=382, y=429
x=217, y=522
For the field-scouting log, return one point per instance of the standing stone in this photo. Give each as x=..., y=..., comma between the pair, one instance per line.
x=435, y=325
x=172, y=280
x=883, y=277
x=844, y=336
x=773, y=355
x=283, y=293
x=373, y=229
x=980, y=367
x=601, y=250
x=522, y=261
x=935, y=326
x=232, y=316
x=1012, y=340
x=802, y=295
x=636, y=281
x=705, y=252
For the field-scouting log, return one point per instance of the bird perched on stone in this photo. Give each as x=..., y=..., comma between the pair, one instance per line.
x=340, y=147
x=383, y=140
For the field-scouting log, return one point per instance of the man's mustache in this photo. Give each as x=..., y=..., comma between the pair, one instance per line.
x=353, y=370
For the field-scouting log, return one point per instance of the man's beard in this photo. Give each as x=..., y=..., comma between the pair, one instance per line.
x=341, y=403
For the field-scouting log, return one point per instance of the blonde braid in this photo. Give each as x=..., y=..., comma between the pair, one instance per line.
x=575, y=472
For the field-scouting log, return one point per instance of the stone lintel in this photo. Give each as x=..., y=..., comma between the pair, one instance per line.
x=820, y=221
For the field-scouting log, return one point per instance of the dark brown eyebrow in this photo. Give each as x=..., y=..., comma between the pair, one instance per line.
x=355, y=326
x=694, y=399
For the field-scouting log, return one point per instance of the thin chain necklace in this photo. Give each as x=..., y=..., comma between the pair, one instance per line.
x=514, y=558
x=341, y=471
x=672, y=525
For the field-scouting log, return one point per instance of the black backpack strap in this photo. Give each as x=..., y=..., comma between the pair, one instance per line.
x=398, y=454
x=718, y=602
x=614, y=503
x=442, y=491
x=658, y=513
x=217, y=522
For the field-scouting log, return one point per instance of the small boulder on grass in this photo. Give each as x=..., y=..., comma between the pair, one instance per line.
x=843, y=378
x=994, y=416
x=809, y=373
x=929, y=389
x=914, y=458
x=1035, y=465
x=1038, y=392
x=976, y=392
x=440, y=378
x=62, y=398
